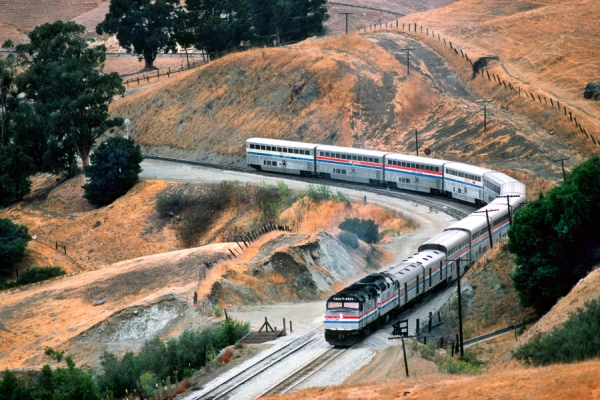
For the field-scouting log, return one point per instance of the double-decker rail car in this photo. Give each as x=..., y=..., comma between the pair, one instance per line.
x=499, y=184
x=455, y=245
x=414, y=173
x=464, y=182
x=283, y=156
x=349, y=164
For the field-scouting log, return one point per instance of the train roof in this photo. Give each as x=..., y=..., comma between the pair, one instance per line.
x=446, y=239
x=471, y=223
x=467, y=168
x=352, y=150
x=286, y=143
x=415, y=159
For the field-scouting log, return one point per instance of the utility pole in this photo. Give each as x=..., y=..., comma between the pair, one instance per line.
x=417, y=141
x=405, y=360
x=487, y=218
x=508, y=204
x=408, y=49
x=485, y=103
x=346, y=14
x=460, y=327
x=562, y=163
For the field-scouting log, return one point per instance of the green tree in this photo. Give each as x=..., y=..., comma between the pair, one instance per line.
x=288, y=20
x=114, y=170
x=64, y=79
x=143, y=27
x=556, y=238
x=13, y=241
x=15, y=169
x=219, y=25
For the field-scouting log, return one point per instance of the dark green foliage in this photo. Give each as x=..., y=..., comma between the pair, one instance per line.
x=32, y=275
x=219, y=25
x=15, y=169
x=114, y=170
x=366, y=229
x=556, y=239
x=577, y=340
x=191, y=350
x=349, y=239
x=288, y=20
x=70, y=383
x=13, y=241
x=143, y=27
x=68, y=96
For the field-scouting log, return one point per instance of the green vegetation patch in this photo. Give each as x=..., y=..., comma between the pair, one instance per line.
x=556, y=238
x=365, y=229
x=33, y=275
x=577, y=340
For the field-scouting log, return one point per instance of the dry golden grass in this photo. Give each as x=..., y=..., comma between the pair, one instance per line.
x=548, y=47
x=578, y=381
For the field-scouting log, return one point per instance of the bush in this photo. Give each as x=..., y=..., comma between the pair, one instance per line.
x=38, y=274
x=349, y=239
x=320, y=193
x=459, y=366
x=366, y=229
x=577, y=340
x=114, y=169
x=15, y=169
x=156, y=361
x=13, y=241
x=428, y=351
x=33, y=275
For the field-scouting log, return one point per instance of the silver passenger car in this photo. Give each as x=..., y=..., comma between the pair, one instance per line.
x=414, y=173
x=283, y=156
x=349, y=164
x=464, y=182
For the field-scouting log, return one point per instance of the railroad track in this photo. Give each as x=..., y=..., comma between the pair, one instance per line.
x=453, y=208
x=226, y=389
x=304, y=372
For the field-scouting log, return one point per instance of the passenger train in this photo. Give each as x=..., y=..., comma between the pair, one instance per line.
x=370, y=302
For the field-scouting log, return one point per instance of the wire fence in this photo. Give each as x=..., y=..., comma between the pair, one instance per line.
x=158, y=73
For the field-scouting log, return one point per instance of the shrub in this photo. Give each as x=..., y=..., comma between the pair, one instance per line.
x=459, y=366
x=366, y=229
x=428, y=351
x=156, y=361
x=13, y=241
x=577, y=340
x=114, y=169
x=320, y=193
x=349, y=239
x=38, y=274
x=218, y=311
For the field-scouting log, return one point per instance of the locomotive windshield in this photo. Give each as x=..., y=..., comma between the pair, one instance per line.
x=346, y=304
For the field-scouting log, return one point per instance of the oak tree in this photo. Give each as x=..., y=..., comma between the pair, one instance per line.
x=143, y=27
